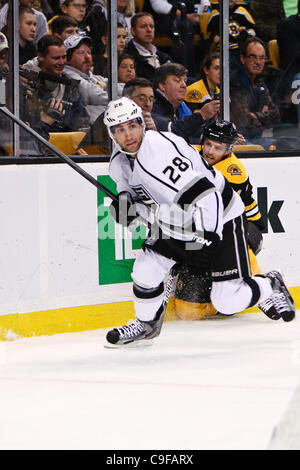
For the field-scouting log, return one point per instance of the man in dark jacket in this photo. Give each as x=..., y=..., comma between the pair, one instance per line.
x=170, y=113
x=252, y=108
x=147, y=57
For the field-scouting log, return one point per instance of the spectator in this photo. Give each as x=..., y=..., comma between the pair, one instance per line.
x=241, y=27
x=126, y=68
x=140, y=90
x=252, y=108
x=76, y=9
x=41, y=21
x=3, y=55
x=51, y=59
x=207, y=88
x=101, y=60
x=267, y=15
x=125, y=11
x=170, y=113
x=147, y=56
x=164, y=11
x=64, y=26
x=44, y=7
x=289, y=46
x=92, y=87
x=27, y=29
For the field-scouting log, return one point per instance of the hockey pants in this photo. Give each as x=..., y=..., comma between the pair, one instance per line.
x=151, y=269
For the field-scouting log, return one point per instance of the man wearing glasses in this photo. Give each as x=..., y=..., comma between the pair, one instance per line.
x=252, y=108
x=141, y=92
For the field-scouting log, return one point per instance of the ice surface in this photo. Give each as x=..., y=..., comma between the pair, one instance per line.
x=212, y=384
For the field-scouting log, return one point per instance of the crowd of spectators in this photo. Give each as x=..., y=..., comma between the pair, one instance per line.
x=63, y=56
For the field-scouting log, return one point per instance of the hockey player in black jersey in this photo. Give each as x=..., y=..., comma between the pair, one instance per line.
x=196, y=218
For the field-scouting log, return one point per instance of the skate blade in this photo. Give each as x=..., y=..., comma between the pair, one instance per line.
x=134, y=344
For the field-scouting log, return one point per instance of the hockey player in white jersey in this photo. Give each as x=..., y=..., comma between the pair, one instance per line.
x=196, y=218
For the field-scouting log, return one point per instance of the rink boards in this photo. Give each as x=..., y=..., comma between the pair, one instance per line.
x=65, y=265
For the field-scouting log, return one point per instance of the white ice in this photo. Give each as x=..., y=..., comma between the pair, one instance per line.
x=213, y=384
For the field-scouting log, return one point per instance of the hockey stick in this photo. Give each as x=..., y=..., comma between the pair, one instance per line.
x=172, y=275
x=58, y=153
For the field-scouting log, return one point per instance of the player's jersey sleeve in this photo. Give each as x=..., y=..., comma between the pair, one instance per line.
x=120, y=168
x=235, y=172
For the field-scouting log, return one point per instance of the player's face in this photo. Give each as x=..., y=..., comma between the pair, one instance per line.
x=213, y=151
x=129, y=135
x=213, y=72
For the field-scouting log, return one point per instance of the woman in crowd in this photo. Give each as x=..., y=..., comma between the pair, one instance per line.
x=207, y=88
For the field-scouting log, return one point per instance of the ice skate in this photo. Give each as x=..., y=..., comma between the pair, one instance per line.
x=133, y=331
x=280, y=304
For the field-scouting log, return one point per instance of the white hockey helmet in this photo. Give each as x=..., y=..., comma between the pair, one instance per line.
x=122, y=110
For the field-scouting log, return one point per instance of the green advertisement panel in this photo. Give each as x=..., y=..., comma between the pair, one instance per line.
x=117, y=246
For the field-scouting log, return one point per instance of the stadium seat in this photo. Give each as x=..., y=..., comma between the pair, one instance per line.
x=139, y=5
x=274, y=52
x=247, y=148
x=203, y=19
x=66, y=142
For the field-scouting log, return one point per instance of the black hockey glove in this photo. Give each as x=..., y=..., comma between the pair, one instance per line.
x=255, y=238
x=123, y=210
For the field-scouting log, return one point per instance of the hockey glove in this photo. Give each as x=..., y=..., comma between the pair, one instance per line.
x=255, y=238
x=123, y=209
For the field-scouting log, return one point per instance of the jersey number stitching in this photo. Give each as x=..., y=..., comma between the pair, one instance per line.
x=180, y=164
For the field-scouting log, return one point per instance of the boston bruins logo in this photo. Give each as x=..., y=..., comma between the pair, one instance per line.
x=234, y=29
x=193, y=95
x=234, y=170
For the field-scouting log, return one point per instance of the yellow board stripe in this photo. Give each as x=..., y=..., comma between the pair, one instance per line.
x=76, y=319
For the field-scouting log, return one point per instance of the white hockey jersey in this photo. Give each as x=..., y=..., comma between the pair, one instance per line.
x=186, y=194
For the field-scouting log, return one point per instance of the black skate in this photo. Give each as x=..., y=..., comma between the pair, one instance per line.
x=280, y=304
x=135, y=330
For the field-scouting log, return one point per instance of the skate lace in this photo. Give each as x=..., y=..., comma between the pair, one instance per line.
x=266, y=304
x=132, y=329
x=280, y=302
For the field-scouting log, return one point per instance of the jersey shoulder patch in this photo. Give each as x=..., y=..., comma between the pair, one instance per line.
x=233, y=170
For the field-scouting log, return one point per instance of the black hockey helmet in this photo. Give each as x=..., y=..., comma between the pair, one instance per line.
x=221, y=131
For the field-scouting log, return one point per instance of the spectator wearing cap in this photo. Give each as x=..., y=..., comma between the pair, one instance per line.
x=51, y=59
x=147, y=57
x=41, y=20
x=92, y=88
